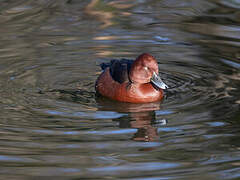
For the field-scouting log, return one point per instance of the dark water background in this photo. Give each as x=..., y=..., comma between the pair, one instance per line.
x=53, y=127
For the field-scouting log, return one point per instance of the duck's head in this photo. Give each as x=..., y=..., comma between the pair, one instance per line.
x=144, y=70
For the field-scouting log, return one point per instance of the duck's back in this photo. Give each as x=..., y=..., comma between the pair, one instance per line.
x=119, y=69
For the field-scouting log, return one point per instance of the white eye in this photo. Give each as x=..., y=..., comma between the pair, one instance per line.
x=146, y=68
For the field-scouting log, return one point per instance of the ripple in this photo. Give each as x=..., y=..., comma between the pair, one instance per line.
x=231, y=63
x=89, y=115
x=135, y=167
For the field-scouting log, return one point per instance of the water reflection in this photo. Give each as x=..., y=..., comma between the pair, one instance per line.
x=143, y=121
x=139, y=116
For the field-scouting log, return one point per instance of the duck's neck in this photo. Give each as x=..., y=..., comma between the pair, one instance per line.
x=138, y=85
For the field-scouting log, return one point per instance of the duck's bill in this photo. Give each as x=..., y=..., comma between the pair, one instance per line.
x=157, y=81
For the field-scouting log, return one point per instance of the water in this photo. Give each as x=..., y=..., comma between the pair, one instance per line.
x=53, y=126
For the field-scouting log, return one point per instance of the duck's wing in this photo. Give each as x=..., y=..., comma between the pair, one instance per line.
x=119, y=69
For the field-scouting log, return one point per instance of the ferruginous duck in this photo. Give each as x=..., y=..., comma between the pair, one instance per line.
x=131, y=81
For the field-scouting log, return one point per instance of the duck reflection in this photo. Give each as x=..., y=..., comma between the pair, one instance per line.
x=143, y=122
x=139, y=116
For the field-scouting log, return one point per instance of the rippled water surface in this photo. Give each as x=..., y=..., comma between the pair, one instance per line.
x=54, y=126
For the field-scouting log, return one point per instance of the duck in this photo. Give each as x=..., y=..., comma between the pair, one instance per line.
x=131, y=81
